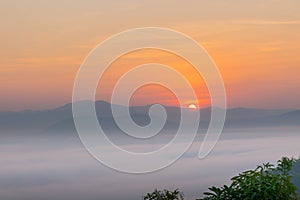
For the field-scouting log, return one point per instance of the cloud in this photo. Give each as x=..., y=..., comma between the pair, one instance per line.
x=61, y=169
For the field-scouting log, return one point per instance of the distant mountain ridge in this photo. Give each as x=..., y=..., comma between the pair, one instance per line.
x=61, y=118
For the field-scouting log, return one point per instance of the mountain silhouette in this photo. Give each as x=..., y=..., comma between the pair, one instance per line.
x=61, y=119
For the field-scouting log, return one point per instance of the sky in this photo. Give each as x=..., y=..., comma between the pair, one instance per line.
x=255, y=44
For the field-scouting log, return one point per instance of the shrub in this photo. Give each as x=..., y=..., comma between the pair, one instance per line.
x=164, y=195
x=266, y=182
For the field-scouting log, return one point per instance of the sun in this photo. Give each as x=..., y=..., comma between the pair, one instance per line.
x=192, y=106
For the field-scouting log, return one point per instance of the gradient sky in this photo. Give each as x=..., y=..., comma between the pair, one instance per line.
x=255, y=44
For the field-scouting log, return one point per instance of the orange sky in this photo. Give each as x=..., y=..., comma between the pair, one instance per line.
x=153, y=93
x=255, y=44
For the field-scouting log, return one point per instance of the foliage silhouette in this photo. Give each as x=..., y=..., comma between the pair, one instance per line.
x=266, y=182
x=164, y=195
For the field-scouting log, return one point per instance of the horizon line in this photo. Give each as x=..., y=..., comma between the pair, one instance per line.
x=145, y=105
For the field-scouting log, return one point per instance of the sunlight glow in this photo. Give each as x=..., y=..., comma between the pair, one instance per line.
x=192, y=106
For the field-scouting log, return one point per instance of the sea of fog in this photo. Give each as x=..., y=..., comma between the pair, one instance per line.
x=43, y=167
